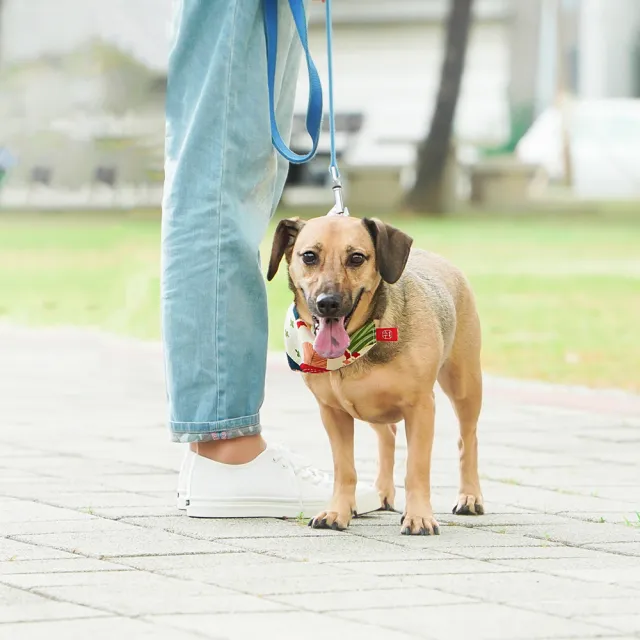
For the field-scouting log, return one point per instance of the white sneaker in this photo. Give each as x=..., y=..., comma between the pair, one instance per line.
x=274, y=485
x=183, y=477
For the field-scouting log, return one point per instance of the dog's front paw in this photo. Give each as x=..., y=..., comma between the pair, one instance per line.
x=331, y=520
x=412, y=524
x=468, y=504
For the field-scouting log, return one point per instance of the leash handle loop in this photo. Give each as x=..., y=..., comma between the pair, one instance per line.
x=314, y=108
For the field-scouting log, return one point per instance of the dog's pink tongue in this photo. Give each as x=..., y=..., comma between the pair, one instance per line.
x=331, y=338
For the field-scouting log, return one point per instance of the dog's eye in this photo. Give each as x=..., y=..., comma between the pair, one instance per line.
x=309, y=257
x=356, y=259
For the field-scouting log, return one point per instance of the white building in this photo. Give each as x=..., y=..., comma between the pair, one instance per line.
x=387, y=55
x=608, y=48
x=387, y=60
x=596, y=46
x=30, y=29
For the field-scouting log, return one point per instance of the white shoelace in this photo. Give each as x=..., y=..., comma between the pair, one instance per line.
x=299, y=466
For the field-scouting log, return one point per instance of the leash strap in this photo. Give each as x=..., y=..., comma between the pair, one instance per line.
x=314, y=108
x=339, y=208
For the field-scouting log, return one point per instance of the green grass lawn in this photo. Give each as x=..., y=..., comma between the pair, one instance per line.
x=559, y=298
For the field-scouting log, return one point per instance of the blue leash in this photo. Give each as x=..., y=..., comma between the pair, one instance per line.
x=339, y=208
x=315, y=105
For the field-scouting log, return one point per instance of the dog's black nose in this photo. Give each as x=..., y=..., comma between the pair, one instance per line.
x=328, y=304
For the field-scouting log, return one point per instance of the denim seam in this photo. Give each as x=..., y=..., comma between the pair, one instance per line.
x=186, y=437
x=223, y=149
x=211, y=427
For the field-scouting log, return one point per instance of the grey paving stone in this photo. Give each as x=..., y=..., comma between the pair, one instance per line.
x=294, y=624
x=179, y=565
x=369, y=599
x=43, y=489
x=623, y=548
x=14, y=510
x=543, y=551
x=451, y=564
x=578, y=533
x=103, y=628
x=549, y=501
x=208, y=529
x=42, y=580
x=72, y=467
x=627, y=577
x=129, y=541
x=17, y=605
x=576, y=480
x=91, y=523
x=144, y=483
x=479, y=621
x=160, y=601
x=133, y=593
x=517, y=588
x=328, y=580
x=453, y=538
x=586, y=607
x=74, y=564
x=593, y=561
x=158, y=510
x=332, y=546
x=629, y=623
x=509, y=519
x=15, y=451
x=549, y=472
x=14, y=550
x=627, y=518
x=607, y=491
x=86, y=500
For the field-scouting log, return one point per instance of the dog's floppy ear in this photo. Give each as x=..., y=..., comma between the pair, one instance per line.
x=392, y=249
x=283, y=241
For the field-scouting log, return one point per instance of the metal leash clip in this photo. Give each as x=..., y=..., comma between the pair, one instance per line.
x=338, y=208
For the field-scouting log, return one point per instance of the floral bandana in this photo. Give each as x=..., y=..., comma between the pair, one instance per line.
x=299, y=339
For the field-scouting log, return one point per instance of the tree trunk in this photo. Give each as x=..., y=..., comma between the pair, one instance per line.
x=428, y=194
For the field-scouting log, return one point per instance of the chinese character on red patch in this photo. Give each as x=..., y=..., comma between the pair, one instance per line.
x=387, y=335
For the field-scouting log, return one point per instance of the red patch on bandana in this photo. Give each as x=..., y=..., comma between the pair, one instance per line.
x=301, y=323
x=387, y=335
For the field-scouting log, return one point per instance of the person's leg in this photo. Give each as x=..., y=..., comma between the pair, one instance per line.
x=223, y=181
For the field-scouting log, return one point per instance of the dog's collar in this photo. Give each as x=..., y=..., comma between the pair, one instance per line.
x=299, y=339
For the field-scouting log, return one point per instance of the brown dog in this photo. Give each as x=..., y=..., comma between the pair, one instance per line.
x=345, y=273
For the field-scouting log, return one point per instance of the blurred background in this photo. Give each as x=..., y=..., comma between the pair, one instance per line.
x=504, y=134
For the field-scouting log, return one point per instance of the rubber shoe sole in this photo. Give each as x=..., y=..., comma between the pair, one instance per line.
x=268, y=508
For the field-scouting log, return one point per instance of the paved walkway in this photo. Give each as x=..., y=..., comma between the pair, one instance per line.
x=91, y=545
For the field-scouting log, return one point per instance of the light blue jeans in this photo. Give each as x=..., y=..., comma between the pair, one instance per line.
x=223, y=182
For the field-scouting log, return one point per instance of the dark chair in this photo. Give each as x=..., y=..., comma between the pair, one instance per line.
x=105, y=175
x=41, y=175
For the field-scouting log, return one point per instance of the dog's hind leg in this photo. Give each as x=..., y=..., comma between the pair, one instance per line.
x=461, y=379
x=386, y=460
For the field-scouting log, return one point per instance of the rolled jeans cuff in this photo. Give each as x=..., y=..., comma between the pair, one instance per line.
x=186, y=432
